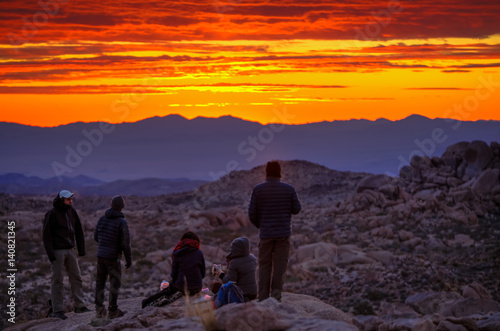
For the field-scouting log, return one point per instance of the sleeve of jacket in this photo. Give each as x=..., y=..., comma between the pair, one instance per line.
x=253, y=210
x=232, y=273
x=296, y=207
x=47, y=235
x=125, y=242
x=96, y=232
x=175, y=270
x=203, y=267
x=80, y=238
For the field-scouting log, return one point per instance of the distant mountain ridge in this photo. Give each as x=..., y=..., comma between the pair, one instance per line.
x=208, y=148
x=14, y=183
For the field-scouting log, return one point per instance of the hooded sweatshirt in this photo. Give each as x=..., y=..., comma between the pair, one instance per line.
x=112, y=236
x=188, y=262
x=62, y=229
x=242, y=266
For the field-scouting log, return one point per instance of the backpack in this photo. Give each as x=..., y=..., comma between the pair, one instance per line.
x=228, y=293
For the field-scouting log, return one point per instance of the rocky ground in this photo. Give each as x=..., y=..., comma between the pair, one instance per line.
x=417, y=252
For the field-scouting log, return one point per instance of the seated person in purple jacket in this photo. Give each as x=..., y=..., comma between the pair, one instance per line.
x=188, y=263
x=241, y=268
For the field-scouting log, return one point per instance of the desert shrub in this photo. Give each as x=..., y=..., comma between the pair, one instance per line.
x=376, y=295
x=363, y=308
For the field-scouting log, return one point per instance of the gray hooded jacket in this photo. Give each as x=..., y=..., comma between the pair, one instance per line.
x=242, y=266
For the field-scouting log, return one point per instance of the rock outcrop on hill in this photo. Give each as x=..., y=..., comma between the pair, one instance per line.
x=417, y=252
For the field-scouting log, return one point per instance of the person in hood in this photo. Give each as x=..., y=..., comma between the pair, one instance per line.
x=188, y=269
x=112, y=236
x=241, y=268
x=62, y=231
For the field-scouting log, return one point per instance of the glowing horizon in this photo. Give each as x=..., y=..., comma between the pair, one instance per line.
x=322, y=61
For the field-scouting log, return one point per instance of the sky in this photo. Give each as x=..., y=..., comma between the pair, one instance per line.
x=286, y=61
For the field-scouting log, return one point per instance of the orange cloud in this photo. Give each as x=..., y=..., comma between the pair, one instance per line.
x=247, y=55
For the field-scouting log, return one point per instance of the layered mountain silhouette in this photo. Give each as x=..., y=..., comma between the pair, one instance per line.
x=208, y=148
x=14, y=183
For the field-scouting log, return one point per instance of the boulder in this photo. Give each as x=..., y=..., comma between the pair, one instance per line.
x=486, y=181
x=405, y=235
x=476, y=291
x=432, y=302
x=319, y=251
x=214, y=253
x=470, y=306
x=367, y=322
x=413, y=324
x=456, y=152
x=489, y=321
x=384, y=257
x=272, y=315
x=373, y=182
x=478, y=155
x=314, y=307
x=463, y=240
x=350, y=254
x=450, y=326
x=390, y=191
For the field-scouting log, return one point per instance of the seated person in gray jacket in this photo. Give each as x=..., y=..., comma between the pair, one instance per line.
x=241, y=268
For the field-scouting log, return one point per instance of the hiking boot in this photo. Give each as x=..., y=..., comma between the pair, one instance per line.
x=80, y=310
x=145, y=303
x=116, y=313
x=100, y=312
x=58, y=314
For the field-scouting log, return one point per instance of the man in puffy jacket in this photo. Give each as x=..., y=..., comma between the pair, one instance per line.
x=112, y=236
x=270, y=210
x=62, y=230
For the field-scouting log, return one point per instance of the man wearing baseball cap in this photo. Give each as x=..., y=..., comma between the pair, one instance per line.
x=62, y=230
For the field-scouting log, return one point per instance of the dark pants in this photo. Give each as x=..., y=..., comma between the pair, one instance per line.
x=105, y=268
x=249, y=297
x=169, y=291
x=273, y=261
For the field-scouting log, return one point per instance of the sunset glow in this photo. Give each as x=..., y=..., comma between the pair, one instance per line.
x=65, y=61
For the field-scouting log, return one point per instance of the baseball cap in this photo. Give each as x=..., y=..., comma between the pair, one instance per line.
x=65, y=194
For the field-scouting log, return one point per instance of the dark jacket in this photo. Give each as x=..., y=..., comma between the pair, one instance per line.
x=241, y=267
x=271, y=208
x=188, y=262
x=61, y=229
x=113, y=236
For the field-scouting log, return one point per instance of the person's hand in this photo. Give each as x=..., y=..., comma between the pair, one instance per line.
x=128, y=265
x=216, y=270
